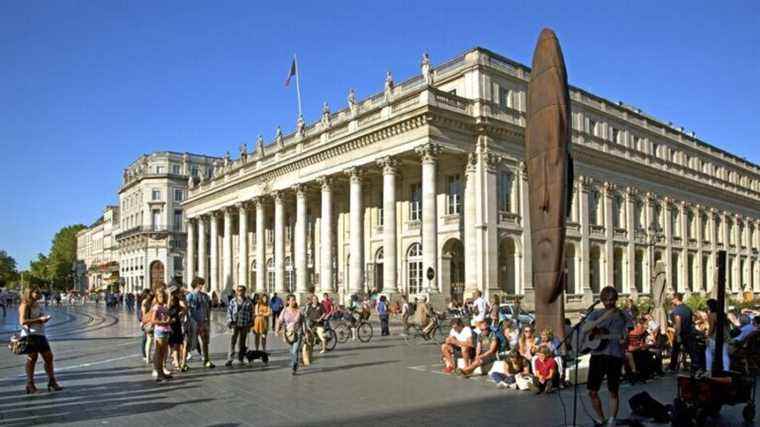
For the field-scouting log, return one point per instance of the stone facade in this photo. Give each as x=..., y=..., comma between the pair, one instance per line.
x=151, y=240
x=97, y=263
x=429, y=175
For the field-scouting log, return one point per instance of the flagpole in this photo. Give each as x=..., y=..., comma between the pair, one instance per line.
x=298, y=85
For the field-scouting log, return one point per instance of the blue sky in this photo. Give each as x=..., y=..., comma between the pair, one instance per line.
x=86, y=87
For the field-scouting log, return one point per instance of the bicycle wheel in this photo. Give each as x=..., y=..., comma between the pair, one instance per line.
x=330, y=340
x=342, y=333
x=364, y=332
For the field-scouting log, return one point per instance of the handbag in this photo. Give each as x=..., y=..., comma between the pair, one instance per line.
x=19, y=344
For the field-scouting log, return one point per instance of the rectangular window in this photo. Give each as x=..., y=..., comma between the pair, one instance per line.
x=194, y=171
x=178, y=220
x=178, y=195
x=505, y=97
x=454, y=196
x=615, y=136
x=178, y=263
x=592, y=127
x=505, y=192
x=175, y=169
x=415, y=208
x=156, y=194
x=159, y=169
x=380, y=206
x=156, y=218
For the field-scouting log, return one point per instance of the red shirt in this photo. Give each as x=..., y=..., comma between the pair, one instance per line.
x=544, y=367
x=327, y=306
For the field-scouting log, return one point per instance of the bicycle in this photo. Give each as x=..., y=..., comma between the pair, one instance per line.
x=433, y=331
x=331, y=338
x=363, y=329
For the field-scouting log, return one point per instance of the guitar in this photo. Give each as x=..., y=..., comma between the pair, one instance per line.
x=598, y=337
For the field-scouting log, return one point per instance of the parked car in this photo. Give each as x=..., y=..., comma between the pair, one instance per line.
x=524, y=317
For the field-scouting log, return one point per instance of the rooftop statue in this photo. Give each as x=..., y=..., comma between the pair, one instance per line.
x=300, y=126
x=547, y=138
x=243, y=153
x=352, y=101
x=278, y=137
x=388, y=91
x=260, y=145
x=427, y=71
x=325, y=114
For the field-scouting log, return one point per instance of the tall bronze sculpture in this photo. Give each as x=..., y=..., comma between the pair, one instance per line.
x=547, y=139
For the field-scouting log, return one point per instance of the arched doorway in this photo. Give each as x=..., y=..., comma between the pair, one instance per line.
x=595, y=269
x=414, y=284
x=156, y=273
x=378, y=267
x=452, y=266
x=617, y=268
x=508, y=266
x=570, y=269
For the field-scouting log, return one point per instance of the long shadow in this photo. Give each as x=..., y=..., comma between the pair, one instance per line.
x=362, y=347
x=345, y=367
x=64, y=339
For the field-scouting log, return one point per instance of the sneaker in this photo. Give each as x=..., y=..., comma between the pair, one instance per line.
x=167, y=373
x=513, y=386
x=209, y=364
x=448, y=370
x=502, y=385
x=228, y=363
x=611, y=422
x=154, y=374
x=189, y=357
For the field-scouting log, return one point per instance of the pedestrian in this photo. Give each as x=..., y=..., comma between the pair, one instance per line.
x=161, y=321
x=315, y=318
x=199, y=310
x=239, y=320
x=32, y=323
x=290, y=326
x=262, y=313
x=382, y=313
x=147, y=328
x=276, y=305
x=328, y=309
x=684, y=328
x=405, y=313
x=178, y=315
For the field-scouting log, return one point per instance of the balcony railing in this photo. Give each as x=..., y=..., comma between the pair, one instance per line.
x=144, y=229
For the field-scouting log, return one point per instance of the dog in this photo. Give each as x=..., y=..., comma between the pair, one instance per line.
x=252, y=355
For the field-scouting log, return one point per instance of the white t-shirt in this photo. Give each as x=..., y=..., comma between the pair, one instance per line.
x=464, y=335
x=481, y=308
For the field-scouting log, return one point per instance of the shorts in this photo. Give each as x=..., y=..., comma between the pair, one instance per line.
x=37, y=344
x=602, y=365
x=458, y=352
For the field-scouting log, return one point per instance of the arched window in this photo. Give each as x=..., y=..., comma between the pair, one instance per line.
x=270, y=275
x=414, y=268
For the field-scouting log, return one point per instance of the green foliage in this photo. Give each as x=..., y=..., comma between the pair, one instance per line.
x=697, y=302
x=63, y=253
x=8, y=272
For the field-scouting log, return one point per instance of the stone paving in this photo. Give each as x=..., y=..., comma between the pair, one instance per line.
x=384, y=382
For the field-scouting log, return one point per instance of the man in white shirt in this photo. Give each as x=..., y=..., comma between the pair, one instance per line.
x=480, y=305
x=457, y=344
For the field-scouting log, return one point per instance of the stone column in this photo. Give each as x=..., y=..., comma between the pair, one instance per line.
x=685, y=273
x=202, y=248
x=325, y=234
x=629, y=285
x=243, y=244
x=470, y=260
x=649, y=219
x=487, y=251
x=213, y=254
x=713, y=230
x=609, y=231
x=356, y=232
x=669, y=267
x=584, y=217
x=190, y=253
x=300, y=241
x=698, y=284
x=429, y=154
x=227, y=251
x=279, y=243
x=390, y=169
x=261, y=241
x=527, y=245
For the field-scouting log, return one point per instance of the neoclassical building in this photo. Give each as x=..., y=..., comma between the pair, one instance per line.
x=428, y=176
x=151, y=233
x=97, y=263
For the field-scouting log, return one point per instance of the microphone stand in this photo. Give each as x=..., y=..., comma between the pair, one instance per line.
x=576, y=329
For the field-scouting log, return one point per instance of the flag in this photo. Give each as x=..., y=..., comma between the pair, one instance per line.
x=291, y=73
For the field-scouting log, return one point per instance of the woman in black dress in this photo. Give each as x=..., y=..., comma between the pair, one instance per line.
x=177, y=312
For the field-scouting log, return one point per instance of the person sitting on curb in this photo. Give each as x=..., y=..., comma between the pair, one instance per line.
x=514, y=373
x=485, y=350
x=546, y=372
x=457, y=344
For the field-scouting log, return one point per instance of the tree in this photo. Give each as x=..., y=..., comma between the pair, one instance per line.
x=8, y=272
x=63, y=253
x=38, y=273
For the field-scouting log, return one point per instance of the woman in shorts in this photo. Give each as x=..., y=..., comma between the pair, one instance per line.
x=32, y=323
x=161, y=331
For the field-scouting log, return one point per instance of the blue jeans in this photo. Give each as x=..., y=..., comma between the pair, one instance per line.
x=295, y=351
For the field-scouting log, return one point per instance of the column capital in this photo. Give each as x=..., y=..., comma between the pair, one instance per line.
x=217, y=213
x=299, y=189
x=229, y=210
x=389, y=165
x=609, y=188
x=325, y=182
x=428, y=152
x=631, y=191
x=584, y=181
x=523, y=168
x=242, y=206
x=277, y=196
x=490, y=159
x=472, y=161
x=191, y=220
x=355, y=174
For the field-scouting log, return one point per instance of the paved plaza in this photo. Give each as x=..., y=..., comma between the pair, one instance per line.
x=384, y=382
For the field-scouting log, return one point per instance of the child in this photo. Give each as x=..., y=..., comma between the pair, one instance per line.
x=546, y=371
